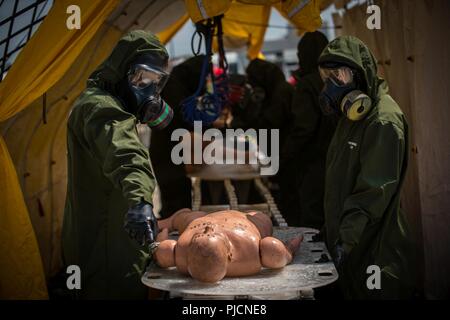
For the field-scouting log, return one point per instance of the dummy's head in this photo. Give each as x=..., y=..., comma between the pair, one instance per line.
x=208, y=256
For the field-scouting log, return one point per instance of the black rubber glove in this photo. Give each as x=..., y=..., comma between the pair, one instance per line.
x=141, y=223
x=339, y=256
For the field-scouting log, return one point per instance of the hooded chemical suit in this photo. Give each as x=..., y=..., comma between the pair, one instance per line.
x=108, y=172
x=366, y=166
x=308, y=140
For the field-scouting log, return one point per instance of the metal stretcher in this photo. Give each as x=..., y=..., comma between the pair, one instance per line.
x=311, y=268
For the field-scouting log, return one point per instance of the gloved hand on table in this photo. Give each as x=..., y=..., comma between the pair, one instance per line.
x=141, y=224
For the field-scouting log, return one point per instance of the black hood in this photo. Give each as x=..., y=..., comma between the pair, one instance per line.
x=264, y=74
x=309, y=49
x=188, y=72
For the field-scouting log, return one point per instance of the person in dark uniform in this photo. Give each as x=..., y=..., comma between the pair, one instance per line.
x=270, y=108
x=310, y=135
x=175, y=186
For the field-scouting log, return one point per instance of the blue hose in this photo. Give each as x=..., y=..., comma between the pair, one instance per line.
x=208, y=107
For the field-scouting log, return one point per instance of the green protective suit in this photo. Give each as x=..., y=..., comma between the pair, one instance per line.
x=108, y=171
x=310, y=135
x=366, y=166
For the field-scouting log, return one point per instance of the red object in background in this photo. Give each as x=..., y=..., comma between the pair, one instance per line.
x=235, y=93
x=292, y=80
x=217, y=71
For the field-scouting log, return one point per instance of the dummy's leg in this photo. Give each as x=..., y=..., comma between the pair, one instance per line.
x=275, y=254
x=180, y=220
x=261, y=221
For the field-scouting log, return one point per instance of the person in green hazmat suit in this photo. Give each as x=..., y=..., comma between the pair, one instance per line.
x=310, y=135
x=366, y=232
x=108, y=215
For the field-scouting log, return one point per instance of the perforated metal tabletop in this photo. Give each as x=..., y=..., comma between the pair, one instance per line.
x=309, y=269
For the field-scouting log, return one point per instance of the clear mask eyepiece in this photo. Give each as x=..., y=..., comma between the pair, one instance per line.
x=341, y=76
x=141, y=76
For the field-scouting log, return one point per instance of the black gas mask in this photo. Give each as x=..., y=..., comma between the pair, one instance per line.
x=145, y=83
x=340, y=94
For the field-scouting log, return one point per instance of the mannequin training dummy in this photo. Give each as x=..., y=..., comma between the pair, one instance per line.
x=221, y=244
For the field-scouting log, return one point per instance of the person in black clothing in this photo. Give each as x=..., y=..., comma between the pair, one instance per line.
x=175, y=186
x=310, y=135
x=269, y=108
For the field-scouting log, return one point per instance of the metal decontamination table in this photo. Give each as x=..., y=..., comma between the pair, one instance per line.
x=311, y=268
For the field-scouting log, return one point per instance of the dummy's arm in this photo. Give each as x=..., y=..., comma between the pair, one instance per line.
x=275, y=254
x=180, y=220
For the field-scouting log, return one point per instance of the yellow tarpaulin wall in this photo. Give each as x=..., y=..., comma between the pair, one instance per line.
x=303, y=14
x=166, y=35
x=245, y=25
x=43, y=61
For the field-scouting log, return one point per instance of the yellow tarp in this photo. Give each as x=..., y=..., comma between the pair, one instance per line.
x=245, y=25
x=204, y=9
x=38, y=150
x=303, y=14
x=43, y=61
x=166, y=35
x=245, y=21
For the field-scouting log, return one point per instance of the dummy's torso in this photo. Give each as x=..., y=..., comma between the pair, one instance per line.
x=225, y=243
x=242, y=234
